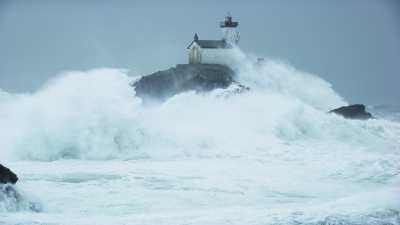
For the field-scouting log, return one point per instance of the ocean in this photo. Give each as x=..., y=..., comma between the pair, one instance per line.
x=88, y=151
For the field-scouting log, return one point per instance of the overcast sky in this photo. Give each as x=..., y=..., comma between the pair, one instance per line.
x=353, y=44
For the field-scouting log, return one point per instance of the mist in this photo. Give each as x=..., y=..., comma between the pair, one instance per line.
x=354, y=45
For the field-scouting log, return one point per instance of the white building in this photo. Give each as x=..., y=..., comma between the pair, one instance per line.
x=215, y=51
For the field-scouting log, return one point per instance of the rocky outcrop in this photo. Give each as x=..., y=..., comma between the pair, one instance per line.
x=7, y=176
x=10, y=199
x=184, y=77
x=356, y=111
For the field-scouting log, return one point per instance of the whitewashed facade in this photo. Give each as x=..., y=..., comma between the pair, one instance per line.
x=215, y=51
x=198, y=55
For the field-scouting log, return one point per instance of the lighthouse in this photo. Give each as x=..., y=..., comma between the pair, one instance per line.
x=202, y=51
x=231, y=35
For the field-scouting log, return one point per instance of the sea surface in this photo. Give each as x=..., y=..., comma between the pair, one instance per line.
x=88, y=151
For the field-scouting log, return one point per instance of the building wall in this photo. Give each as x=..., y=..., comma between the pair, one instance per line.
x=217, y=56
x=210, y=56
x=195, y=54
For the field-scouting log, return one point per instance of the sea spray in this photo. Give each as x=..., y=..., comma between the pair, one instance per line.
x=95, y=115
x=209, y=156
x=270, y=76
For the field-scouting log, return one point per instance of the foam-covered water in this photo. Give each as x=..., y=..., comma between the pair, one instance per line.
x=89, y=152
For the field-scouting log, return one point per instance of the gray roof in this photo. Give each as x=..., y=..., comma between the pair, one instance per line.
x=211, y=44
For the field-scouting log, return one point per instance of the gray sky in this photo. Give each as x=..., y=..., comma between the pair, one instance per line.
x=353, y=44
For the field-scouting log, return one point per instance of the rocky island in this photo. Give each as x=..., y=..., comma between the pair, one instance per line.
x=184, y=77
x=356, y=111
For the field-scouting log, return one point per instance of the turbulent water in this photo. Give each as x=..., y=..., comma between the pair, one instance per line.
x=88, y=151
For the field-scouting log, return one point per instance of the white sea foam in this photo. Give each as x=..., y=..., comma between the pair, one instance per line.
x=95, y=115
x=197, y=158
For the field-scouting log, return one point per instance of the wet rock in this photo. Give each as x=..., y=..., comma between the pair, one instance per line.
x=7, y=176
x=356, y=111
x=10, y=199
x=184, y=77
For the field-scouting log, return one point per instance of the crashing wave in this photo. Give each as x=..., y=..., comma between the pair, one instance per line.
x=12, y=201
x=280, y=128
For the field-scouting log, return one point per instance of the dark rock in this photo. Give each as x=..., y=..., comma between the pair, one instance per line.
x=7, y=176
x=356, y=111
x=184, y=77
x=10, y=199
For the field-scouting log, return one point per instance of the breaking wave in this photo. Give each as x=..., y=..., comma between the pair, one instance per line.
x=283, y=120
x=12, y=201
x=95, y=115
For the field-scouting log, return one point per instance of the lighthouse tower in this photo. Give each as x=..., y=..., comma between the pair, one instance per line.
x=231, y=35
